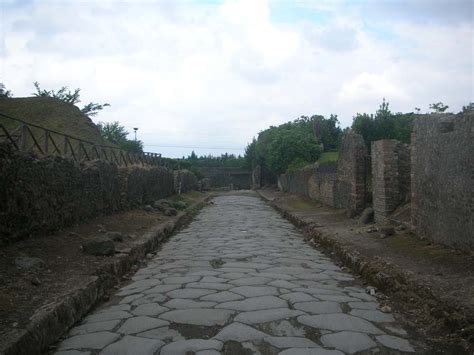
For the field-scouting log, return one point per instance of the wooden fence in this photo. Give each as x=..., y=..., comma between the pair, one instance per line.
x=27, y=137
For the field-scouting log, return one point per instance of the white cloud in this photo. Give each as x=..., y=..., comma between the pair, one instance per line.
x=215, y=75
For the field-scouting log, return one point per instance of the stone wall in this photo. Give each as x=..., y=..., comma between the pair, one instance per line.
x=219, y=177
x=442, y=179
x=390, y=177
x=341, y=184
x=43, y=195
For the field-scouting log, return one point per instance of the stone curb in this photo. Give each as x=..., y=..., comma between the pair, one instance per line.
x=392, y=280
x=51, y=321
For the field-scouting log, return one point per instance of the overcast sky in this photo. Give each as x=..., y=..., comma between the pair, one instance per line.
x=212, y=74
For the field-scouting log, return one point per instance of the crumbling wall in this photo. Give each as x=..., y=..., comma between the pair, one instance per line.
x=43, y=195
x=390, y=177
x=341, y=184
x=227, y=176
x=442, y=179
x=184, y=180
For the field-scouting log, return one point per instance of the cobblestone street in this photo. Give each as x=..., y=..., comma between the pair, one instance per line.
x=239, y=280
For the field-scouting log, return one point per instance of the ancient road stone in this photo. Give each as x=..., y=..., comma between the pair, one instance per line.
x=294, y=297
x=339, y=321
x=223, y=296
x=254, y=303
x=363, y=305
x=189, y=293
x=149, y=309
x=210, y=285
x=140, y=324
x=142, y=283
x=301, y=351
x=180, y=280
x=255, y=291
x=316, y=307
x=130, y=345
x=117, y=307
x=94, y=327
x=374, y=316
x=238, y=279
x=396, y=343
x=250, y=281
x=162, y=289
x=179, y=303
x=164, y=333
x=240, y=332
x=89, y=341
x=199, y=316
x=284, y=329
x=290, y=342
x=349, y=342
x=103, y=316
x=268, y=315
x=208, y=352
x=182, y=347
x=282, y=284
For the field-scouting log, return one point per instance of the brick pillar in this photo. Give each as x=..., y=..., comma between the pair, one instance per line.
x=390, y=176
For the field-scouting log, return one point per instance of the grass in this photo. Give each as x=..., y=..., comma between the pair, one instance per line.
x=50, y=113
x=328, y=156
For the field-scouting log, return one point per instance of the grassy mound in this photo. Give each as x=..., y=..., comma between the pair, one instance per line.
x=50, y=113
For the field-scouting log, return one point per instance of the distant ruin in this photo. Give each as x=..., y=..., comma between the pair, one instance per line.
x=431, y=181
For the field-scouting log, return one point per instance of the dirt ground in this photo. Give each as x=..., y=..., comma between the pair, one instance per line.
x=445, y=313
x=65, y=267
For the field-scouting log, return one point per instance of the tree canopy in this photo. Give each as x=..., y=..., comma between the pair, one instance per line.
x=70, y=97
x=288, y=146
x=117, y=134
x=384, y=125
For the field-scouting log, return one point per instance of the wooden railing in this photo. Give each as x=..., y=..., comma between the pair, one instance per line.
x=27, y=137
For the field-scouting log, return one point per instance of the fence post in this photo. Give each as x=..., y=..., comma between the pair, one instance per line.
x=23, y=138
x=46, y=141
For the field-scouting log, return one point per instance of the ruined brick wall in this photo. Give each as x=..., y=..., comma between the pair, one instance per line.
x=442, y=179
x=352, y=172
x=341, y=184
x=43, y=195
x=322, y=184
x=390, y=176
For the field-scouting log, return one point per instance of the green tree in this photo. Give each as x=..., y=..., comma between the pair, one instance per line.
x=288, y=145
x=70, y=97
x=328, y=131
x=117, y=134
x=384, y=125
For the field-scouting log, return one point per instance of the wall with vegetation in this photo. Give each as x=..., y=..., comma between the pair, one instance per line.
x=442, y=183
x=43, y=195
x=227, y=176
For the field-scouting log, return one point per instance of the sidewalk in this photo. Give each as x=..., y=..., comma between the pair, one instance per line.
x=38, y=303
x=432, y=285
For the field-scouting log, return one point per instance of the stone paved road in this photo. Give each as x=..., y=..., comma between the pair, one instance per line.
x=239, y=280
